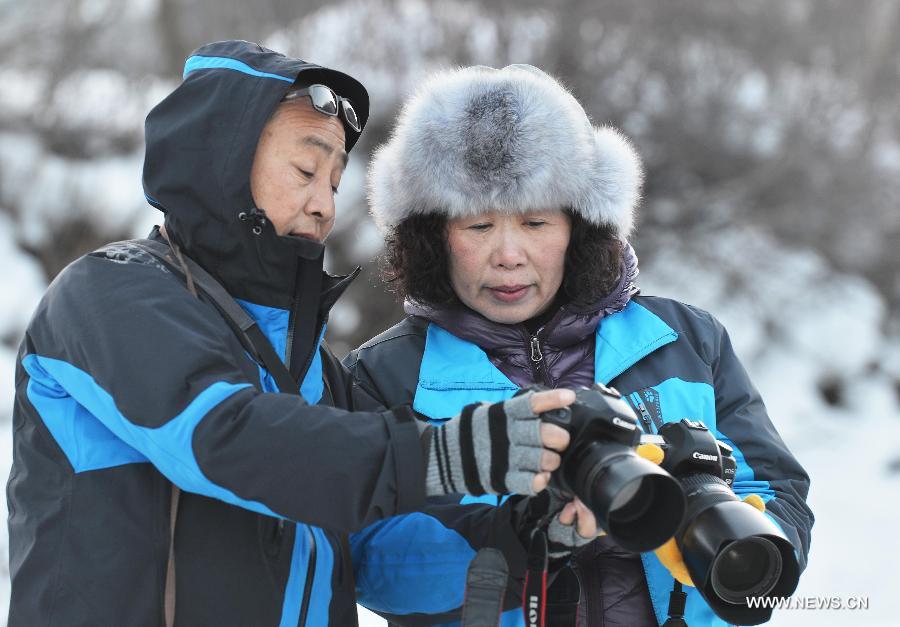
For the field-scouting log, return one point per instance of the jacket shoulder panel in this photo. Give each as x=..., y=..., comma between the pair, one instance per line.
x=694, y=325
x=411, y=325
x=387, y=366
x=138, y=334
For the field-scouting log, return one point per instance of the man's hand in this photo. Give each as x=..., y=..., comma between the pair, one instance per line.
x=502, y=448
x=554, y=438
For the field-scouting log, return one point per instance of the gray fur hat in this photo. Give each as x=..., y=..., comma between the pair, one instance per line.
x=478, y=139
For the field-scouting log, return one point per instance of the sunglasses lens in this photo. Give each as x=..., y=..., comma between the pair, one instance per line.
x=350, y=115
x=323, y=99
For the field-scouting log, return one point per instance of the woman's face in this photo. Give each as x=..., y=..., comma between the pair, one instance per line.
x=508, y=267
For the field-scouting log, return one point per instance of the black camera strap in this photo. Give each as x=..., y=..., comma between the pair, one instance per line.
x=486, y=580
x=677, y=603
x=534, y=596
x=197, y=280
x=244, y=327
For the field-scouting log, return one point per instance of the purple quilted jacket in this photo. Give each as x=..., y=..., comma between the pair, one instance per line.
x=560, y=353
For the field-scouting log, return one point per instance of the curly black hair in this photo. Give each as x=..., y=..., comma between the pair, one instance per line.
x=417, y=261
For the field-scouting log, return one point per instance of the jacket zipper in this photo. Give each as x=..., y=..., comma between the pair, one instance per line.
x=539, y=366
x=645, y=415
x=310, y=575
x=290, y=343
x=536, y=355
x=312, y=353
x=311, y=560
x=289, y=355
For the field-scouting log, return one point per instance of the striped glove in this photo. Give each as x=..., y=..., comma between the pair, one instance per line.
x=486, y=449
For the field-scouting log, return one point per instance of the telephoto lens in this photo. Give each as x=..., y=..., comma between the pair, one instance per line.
x=732, y=550
x=636, y=502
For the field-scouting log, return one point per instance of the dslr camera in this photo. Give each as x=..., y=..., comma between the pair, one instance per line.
x=732, y=550
x=636, y=502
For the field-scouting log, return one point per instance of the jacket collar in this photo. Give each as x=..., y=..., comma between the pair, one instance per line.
x=625, y=338
x=454, y=369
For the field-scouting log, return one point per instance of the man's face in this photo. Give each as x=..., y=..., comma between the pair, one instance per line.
x=298, y=165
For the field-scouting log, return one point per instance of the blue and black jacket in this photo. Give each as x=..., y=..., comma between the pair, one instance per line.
x=672, y=361
x=127, y=383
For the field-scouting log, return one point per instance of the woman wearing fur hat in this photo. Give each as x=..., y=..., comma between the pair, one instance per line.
x=506, y=214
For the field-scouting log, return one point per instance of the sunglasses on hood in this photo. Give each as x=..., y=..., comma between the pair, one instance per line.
x=324, y=100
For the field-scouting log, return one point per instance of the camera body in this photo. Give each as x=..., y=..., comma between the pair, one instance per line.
x=598, y=415
x=690, y=448
x=636, y=502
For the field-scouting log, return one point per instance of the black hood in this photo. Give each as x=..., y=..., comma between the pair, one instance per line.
x=201, y=141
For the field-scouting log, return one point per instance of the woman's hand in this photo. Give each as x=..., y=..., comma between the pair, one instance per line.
x=574, y=526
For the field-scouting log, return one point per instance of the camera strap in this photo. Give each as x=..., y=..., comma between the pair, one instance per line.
x=486, y=580
x=677, y=602
x=243, y=326
x=534, y=596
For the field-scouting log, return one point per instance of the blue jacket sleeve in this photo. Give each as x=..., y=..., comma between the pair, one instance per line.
x=765, y=466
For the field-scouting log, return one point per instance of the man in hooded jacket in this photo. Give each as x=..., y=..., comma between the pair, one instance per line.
x=165, y=469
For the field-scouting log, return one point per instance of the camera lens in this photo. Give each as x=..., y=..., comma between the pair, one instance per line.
x=639, y=505
x=746, y=568
x=632, y=501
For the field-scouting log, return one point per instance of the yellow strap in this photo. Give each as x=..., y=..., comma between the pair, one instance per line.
x=671, y=558
x=756, y=501
x=651, y=452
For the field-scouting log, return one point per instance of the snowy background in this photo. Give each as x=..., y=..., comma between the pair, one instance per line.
x=772, y=143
